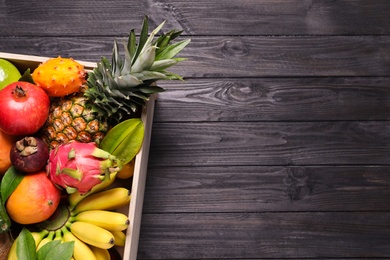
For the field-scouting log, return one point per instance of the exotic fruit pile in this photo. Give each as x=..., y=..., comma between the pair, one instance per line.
x=66, y=135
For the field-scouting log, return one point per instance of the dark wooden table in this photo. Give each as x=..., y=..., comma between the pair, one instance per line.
x=277, y=145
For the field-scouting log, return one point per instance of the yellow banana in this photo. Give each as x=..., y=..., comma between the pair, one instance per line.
x=93, y=235
x=100, y=253
x=76, y=197
x=112, y=221
x=12, y=251
x=104, y=200
x=81, y=250
x=38, y=236
x=120, y=238
x=47, y=239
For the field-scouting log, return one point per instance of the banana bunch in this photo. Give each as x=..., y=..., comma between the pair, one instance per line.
x=91, y=222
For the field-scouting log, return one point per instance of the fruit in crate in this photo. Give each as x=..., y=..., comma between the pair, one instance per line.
x=34, y=200
x=127, y=170
x=29, y=154
x=8, y=73
x=6, y=143
x=59, y=76
x=115, y=91
x=93, y=224
x=78, y=166
x=72, y=118
x=24, y=108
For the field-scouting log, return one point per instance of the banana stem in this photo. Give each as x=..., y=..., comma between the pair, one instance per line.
x=51, y=234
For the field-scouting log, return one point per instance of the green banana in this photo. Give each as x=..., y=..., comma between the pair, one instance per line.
x=81, y=250
x=93, y=235
x=58, y=235
x=100, y=253
x=76, y=197
x=112, y=221
x=104, y=200
x=120, y=238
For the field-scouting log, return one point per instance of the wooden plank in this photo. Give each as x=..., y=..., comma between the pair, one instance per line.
x=265, y=235
x=267, y=189
x=270, y=143
x=274, y=99
x=202, y=17
x=221, y=57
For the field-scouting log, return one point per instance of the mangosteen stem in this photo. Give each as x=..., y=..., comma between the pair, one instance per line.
x=29, y=150
x=31, y=141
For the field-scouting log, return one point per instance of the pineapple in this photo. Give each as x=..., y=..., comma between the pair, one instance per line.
x=72, y=118
x=117, y=90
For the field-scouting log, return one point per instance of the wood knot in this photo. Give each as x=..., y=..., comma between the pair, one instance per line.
x=299, y=182
x=235, y=48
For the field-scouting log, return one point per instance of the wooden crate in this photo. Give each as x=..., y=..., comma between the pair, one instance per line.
x=137, y=183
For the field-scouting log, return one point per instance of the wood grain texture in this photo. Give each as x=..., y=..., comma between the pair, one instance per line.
x=5, y=244
x=220, y=57
x=277, y=144
x=203, y=17
x=268, y=143
x=265, y=235
x=274, y=99
x=267, y=189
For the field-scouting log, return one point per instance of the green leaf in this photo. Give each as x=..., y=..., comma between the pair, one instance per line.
x=127, y=63
x=27, y=77
x=170, y=51
x=145, y=59
x=151, y=89
x=142, y=38
x=116, y=60
x=163, y=64
x=25, y=246
x=5, y=221
x=46, y=249
x=132, y=44
x=150, y=75
x=125, y=139
x=56, y=250
x=10, y=181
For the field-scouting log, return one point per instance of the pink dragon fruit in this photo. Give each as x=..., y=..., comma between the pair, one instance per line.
x=80, y=166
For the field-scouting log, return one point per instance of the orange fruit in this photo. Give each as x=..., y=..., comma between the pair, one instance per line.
x=127, y=170
x=6, y=142
x=34, y=200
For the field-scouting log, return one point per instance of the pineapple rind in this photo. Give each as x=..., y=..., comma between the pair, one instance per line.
x=72, y=118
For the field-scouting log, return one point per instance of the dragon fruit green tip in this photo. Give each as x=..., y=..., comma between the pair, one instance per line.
x=77, y=166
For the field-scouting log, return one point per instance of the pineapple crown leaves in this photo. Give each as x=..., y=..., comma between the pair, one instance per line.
x=121, y=87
